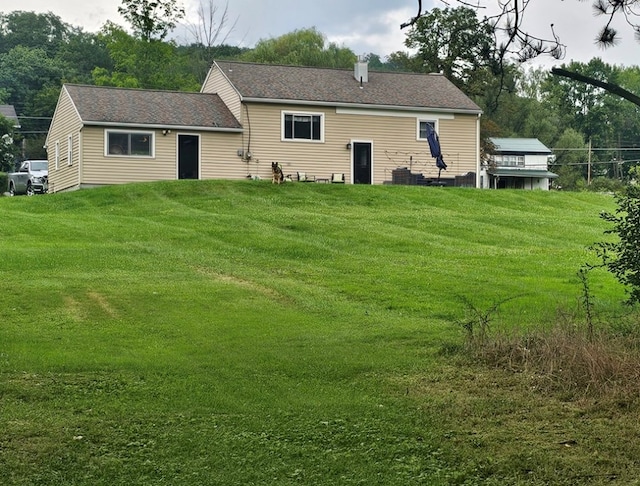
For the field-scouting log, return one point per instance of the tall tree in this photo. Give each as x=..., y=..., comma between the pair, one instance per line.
x=24, y=71
x=152, y=19
x=508, y=25
x=304, y=47
x=141, y=64
x=453, y=41
x=33, y=30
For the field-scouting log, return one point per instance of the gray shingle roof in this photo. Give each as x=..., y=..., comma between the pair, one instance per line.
x=106, y=105
x=339, y=86
x=9, y=112
x=519, y=145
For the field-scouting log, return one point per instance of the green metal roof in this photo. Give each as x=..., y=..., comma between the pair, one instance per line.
x=519, y=145
x=529, y=173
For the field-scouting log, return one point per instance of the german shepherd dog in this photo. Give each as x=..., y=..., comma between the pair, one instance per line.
x=276, y=173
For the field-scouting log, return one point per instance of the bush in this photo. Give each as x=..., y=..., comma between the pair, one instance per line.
x=622, y=258
x=606, y=184
x=4, y=182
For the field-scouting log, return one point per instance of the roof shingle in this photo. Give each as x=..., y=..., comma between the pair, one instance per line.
x=106, y=105
x=339, y=86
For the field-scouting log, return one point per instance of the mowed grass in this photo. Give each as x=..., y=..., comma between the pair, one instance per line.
x=223, y=333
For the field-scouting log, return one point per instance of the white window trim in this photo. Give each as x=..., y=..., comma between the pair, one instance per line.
x=420, y=120
x=151, y=134
x=301, y=113
x=70, y=150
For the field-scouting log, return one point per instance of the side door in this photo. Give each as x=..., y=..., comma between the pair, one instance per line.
x=188, y=156
x=362, y=162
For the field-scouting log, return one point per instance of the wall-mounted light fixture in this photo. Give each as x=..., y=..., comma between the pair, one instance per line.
x=348, y=145
x=165, y=132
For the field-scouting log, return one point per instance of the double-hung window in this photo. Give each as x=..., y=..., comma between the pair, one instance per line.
x=132, y=144
x=422, y=128
x=303, y=126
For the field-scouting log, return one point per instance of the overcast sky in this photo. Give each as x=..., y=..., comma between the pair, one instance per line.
x=362, y=25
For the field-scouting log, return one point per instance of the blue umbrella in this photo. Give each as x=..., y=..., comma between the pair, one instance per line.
x=434, y=146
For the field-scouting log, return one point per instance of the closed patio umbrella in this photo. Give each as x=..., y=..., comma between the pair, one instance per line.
x=434, y=147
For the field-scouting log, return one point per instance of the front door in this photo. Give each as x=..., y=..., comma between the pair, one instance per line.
x=188, y=157
x=362, y=163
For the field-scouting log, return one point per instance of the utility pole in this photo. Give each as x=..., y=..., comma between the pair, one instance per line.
x=589, y=164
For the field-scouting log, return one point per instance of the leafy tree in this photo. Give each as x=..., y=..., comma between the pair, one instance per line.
x=508, y=24
x=8, y=147
x=151, y=19
x=81, y=53
x=29, y=29
x=622, y=258
x=571, y=161
x=141, y=64
x=305, y=47
x=404, y=61
x=608, y=120
x=456, y=43
x=25, y=70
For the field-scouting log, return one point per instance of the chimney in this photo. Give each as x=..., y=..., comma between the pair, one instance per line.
x=361, y=72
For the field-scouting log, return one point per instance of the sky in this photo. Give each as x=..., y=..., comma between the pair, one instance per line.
x=364, y=26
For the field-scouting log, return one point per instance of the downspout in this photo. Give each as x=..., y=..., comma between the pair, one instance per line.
x=80, y=161
x=478, y=165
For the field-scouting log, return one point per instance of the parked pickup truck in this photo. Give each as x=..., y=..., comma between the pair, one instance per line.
x=31, y=178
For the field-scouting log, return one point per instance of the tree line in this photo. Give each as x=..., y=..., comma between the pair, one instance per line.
x=595, y=134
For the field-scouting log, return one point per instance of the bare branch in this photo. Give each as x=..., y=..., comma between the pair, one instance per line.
x=521, y=45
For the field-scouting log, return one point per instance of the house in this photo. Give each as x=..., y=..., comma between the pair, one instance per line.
x=517, y=163
x=9, y=112
x=312, y=121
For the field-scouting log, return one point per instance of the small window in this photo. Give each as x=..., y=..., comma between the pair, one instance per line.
x=509, y=160
x=57, y=155
x=302, y=126
x=133, y=144
x=70, y=150
x=422, y=128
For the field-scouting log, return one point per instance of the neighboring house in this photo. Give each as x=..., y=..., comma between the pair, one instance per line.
x=9, y=112
x=518, y=163
x=315, y=121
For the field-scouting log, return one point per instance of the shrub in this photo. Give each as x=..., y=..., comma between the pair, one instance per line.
x=622, y=258
x=4, y=182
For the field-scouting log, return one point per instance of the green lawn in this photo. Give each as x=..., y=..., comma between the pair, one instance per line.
x=209, y=332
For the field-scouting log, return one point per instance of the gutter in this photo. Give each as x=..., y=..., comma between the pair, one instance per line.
x=420, y=109
x=139, y=126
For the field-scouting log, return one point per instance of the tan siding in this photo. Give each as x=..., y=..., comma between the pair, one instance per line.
x=458, y=139
x=393, y=137
x=66, y=122
x=219, y=156
x=218, y=159
x=101, y=169
x=218, y=84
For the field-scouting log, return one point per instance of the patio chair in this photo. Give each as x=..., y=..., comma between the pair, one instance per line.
x=303, y=177
x=337, y=178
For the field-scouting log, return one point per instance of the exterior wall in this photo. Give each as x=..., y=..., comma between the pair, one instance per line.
x=64, y=173
x=393, y=136
x=538, y=162
x=218, y=158
x=217, y=83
